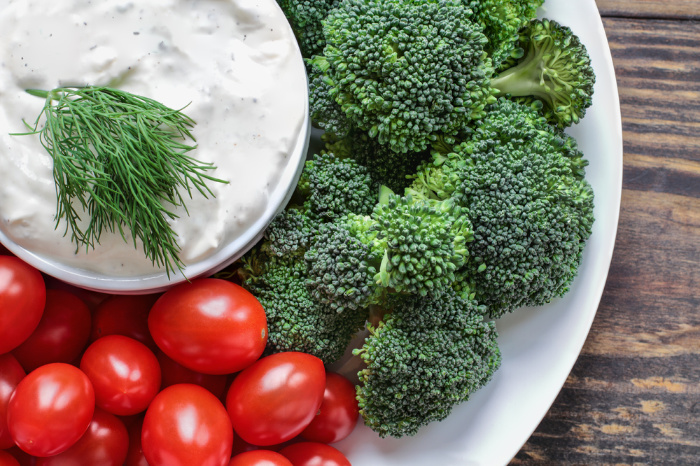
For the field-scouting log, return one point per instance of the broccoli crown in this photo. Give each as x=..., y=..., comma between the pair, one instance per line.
x=430, y=354
x=342, y=263
x=407, y=70
x=332, y=187
x=297, y=322
x=502, y=21
x=386, y=167
x=555, y=70
x=324, y=111
x=306, y=17
x=425, y=243
x=523, y=185
x=290, y=232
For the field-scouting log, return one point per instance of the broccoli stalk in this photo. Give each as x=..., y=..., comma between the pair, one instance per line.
x=555, y=69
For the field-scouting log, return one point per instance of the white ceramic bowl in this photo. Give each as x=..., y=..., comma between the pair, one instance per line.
x=277, y=197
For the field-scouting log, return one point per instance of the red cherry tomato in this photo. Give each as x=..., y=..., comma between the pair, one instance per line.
x=174, y=373
x=210, y=326
x=105, y=443
x=135, y=456
x=186, y=425
x=50, y=409
x=61, y=334
x=338, y=414
x=11, y=372
x=124, y=373
x=22, y=300
x=259, y=458
x=314, y=454
x=273, y=400
x=124, y=315
x=7, y=459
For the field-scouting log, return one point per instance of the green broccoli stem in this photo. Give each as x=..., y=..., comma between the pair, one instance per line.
x=527, y=78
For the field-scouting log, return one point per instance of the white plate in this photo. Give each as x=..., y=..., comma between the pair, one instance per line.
x=539, y=345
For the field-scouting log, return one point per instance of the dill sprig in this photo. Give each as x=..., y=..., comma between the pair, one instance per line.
x=124, y=159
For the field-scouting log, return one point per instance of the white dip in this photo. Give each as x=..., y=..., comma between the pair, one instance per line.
x=234, y=61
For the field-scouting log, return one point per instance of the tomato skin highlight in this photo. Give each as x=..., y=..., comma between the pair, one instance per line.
x=314, y=454
x=186, y=425
x=337, y=417
x=105, y=443
x=11, y=373
x=210, y=326
x=61, y=335
x=22, y=300
x=50, y=409
x=259, y=458
x=124, y=373
x=273, y=400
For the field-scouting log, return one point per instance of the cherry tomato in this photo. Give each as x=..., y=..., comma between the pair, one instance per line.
x=91, y=298
x=61, y=335
x=105, y=443
x=50, y=409
x=135, y=455
x=273, y=400
x=174, y=373
x=11, y=372
x=210, y=326
x=124, y=373
x=186, y=425
x=124, y=315
x=314, y=454
x=338, y=414
x=22, y=300
x=7, y=459
x=259, y=458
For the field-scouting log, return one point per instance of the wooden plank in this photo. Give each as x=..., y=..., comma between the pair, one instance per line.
x=677, y=9
x=633, y=396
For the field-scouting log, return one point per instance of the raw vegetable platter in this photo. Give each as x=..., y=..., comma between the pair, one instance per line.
x=540, y=345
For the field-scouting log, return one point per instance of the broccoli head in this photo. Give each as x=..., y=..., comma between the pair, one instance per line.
x=386, y=167
x=407, y=70
x=306, y=18
x=297, y=322
x=554, y=71
x=324, y=111
x=502, y=21
x=428, y=355
x=331, y=187
x=523, y=186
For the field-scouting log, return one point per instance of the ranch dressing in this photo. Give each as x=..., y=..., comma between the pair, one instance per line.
x=234, y=62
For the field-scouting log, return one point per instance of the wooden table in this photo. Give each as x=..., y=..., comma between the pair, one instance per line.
x=633, y=396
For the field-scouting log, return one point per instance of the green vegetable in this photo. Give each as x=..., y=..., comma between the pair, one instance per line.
x=554, y=71
x=124, y=159
x=428, y=355
x=406, y=71
x=522, y=183
x=306, y=18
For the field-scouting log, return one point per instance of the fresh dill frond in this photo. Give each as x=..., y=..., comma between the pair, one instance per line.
x=125, y=159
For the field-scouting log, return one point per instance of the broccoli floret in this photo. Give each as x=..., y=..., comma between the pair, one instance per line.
x=429, y=355
x=324, y=111
x=502, y=21
x=297, y=322
x=386, y=167
x=306, y=17
x=332, y=186
x=425, y=243
x=522, y=183
x=406, y=71
x=343, y=262
x=555, y=70
x=290, y=232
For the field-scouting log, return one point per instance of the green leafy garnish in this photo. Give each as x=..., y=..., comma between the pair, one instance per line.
x=124, y=159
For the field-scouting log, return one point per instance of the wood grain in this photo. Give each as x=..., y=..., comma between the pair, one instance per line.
x=633, y=396
x=679, y=9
